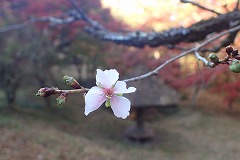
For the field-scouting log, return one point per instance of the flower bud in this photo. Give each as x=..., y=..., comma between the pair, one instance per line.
x=71, y=82
x=229, y=50
x=61, y=99
x=235, y=66
x=213, y=57
x=46, y=92
x=235, y=52
x=237, y=57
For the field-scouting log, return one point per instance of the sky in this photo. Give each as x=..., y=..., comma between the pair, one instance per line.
x=170, y=13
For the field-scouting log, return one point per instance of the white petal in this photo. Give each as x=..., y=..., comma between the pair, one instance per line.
x=93, y=99
x=107, y=78
x=100, y=76
x=120, y=106
x=121, y=87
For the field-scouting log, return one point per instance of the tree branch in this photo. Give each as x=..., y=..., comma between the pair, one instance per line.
x=206, y=62
x=237, y=5
x=173, y=36
x=71, y=91
x=195, y=49
x=225, y=42
x=52, y=20
x=94, y=24
x=200, y=6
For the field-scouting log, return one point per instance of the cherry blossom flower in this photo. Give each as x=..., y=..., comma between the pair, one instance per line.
x=110, y=91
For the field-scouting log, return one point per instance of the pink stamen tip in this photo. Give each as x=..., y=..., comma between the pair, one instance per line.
x=108, y=93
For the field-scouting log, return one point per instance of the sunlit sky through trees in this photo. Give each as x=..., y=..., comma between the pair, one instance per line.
x=162, y=14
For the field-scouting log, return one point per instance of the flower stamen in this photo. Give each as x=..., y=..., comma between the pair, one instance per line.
x=108, y=92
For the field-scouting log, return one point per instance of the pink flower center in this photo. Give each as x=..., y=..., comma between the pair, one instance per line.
x=108, y=92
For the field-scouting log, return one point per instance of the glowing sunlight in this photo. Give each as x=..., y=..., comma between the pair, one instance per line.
x=173, y=13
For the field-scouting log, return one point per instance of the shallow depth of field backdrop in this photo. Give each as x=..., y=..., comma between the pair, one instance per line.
x=43, y=40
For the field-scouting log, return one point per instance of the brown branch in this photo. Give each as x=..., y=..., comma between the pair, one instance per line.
x=200, y=6
x=177, y=47
x=139, y=39
x=173, y=36
x=237, y=5
x=46, y=91
x=71, y=91
x=197, y=48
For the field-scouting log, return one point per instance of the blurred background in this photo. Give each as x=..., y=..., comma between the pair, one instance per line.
x=189, y=111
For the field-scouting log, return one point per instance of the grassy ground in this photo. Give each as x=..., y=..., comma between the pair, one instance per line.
x=189, y=134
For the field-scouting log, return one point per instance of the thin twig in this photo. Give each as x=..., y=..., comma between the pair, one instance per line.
x=196, y=88
x=201, y=74
x=155, y=71
x=22, y=25
x=53, y=21
x=225, y=42
x=200, y=6
x=71, y=91
x=206, y=62
x=90, y=21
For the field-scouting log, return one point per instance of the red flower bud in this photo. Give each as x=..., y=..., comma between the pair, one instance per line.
x=229, y=50
x=46, y=92
x=234, y=52
x=237, y=57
